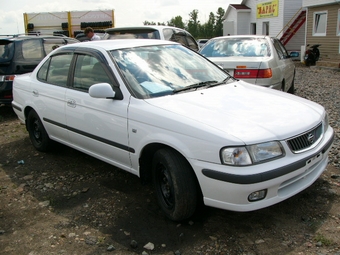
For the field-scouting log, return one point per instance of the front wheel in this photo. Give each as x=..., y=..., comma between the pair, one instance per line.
x=175, y=184
x=37, y=132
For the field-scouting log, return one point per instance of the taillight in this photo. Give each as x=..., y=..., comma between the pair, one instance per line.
x=10, y=77
x=253, y=73
x=7, y=77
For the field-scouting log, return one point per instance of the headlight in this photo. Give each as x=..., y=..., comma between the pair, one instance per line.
x=252, y=154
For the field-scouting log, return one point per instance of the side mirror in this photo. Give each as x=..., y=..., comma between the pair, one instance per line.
x=294, y=54
x=102, y=90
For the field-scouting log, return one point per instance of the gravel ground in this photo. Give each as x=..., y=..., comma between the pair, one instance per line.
x=322, y=85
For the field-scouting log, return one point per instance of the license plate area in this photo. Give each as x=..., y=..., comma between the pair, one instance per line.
x=310, y=162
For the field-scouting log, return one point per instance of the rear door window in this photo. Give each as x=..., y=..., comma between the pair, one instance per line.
x=55, y=70
x=32, y=49
x=280, y=49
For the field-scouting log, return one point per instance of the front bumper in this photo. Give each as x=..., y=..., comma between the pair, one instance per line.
x=228, y=187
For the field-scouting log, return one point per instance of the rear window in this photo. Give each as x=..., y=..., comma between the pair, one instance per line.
x=236, y=47
x=6, y=50
x=133, y=34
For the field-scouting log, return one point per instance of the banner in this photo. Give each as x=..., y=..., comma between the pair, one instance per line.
x=268, y=9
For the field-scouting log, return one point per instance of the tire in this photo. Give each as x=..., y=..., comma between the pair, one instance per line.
x=175, y=184
x=37, y=133
x=291, y=90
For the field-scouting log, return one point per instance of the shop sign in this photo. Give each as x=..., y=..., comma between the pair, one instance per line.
x=268, y=9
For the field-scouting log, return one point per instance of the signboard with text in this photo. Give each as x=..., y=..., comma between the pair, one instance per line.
x=268, y=9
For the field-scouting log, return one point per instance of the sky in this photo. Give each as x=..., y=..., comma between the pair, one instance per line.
x=127, y=12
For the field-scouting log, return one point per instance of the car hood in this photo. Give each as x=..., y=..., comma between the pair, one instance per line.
x=246, y=112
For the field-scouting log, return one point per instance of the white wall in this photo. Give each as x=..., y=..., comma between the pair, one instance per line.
x=228, y=27
x=243, y=23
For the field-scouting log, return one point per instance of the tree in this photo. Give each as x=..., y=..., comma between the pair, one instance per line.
x=149, y=23
x=176, y=22
x=194, y=24
x=208, y=28
x=219, y=22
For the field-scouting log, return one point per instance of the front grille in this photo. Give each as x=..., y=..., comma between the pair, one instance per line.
x=306, y=140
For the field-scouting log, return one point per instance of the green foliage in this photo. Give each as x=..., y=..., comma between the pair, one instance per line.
x=212, y=28
x=176, y=22
x=324, y=240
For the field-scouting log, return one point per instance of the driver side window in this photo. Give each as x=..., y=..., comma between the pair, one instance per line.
x=88, y=71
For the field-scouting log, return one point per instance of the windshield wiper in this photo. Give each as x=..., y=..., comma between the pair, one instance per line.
x=195, y=86
x=220, y=83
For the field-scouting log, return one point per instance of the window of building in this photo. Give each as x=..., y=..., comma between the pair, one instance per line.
x=253, y=28
x=320, y=23
x=265, y=28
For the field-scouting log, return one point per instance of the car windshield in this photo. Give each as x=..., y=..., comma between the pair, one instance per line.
x=236, y=47
x=6, y=51
x=153, y=71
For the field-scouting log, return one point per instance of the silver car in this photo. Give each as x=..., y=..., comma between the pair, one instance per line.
x=260, y=60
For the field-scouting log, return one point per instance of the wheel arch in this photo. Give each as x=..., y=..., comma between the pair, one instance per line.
x=145, y=162
x=27, y=110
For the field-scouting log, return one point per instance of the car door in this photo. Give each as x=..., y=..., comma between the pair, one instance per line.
x=285, y=63
x=96, y=126
x=49, y=92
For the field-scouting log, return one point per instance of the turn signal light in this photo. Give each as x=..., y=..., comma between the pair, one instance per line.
x=253, y=73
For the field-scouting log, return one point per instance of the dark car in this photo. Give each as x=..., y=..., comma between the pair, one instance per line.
x=20, y=54
x=168, y=33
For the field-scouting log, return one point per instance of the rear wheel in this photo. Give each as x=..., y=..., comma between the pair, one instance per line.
x=292, y=87
x=37, y=132
x=175, y=184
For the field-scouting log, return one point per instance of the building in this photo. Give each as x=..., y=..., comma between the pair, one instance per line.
x=283, y=19
x=68, y=23
x=323, y=27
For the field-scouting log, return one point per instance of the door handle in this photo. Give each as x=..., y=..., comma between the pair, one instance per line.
x=71, y=103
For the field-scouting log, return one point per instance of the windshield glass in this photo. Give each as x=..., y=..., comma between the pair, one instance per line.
x=166, y=69
x=236, y=47
x=6, y=51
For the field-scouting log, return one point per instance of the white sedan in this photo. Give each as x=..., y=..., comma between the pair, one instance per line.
x=257, y=59
x=164, y=113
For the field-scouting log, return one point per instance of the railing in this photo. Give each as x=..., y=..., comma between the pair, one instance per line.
x=290, y=22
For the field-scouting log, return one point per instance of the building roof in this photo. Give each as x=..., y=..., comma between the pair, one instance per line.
x=237, y=7
x=240, y=7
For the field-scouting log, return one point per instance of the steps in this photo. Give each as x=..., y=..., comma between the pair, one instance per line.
x=293, y=27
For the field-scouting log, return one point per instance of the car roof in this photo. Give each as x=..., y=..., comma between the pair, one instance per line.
x=118, y=44
x=155, y=27
x=240, y=36
x=18, y=37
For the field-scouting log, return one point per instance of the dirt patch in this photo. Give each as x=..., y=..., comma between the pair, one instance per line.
x=65, y=202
